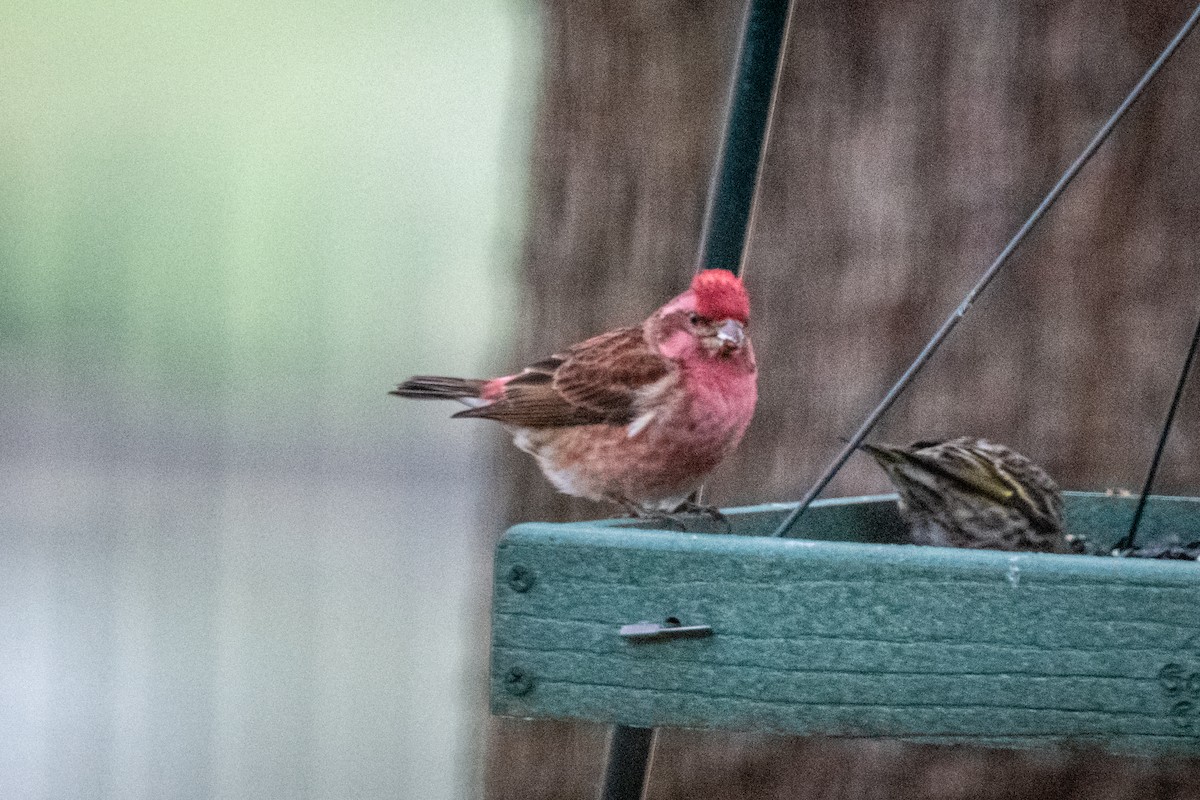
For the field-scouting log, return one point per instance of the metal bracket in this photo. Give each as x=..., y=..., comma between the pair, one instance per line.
x=671, y=628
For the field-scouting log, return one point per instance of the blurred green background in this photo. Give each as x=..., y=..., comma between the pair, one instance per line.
x=230, y=566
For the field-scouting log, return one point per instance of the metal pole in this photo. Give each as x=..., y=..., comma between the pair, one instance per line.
x=747, y=121
x=723, y=245
x=628, y=763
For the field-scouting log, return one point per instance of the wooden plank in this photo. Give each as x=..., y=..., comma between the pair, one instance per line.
x=855, y=638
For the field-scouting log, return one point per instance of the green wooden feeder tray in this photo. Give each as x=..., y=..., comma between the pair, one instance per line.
x=848, y=632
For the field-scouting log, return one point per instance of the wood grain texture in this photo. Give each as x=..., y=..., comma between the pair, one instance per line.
x=855, y=638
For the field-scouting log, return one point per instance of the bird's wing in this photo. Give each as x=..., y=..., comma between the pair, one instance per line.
x=595, y=381
x=972, y=472
x=1011, y=480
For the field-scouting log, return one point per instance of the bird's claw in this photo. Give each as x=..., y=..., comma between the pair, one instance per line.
x=692, y=507
x=661, y=518
x=712, y=512
x=672, y=519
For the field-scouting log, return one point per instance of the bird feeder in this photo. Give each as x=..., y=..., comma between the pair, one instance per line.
x=846, y=632
x=841, y=629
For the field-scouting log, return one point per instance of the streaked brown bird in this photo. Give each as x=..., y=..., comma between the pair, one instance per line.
x=968, y=492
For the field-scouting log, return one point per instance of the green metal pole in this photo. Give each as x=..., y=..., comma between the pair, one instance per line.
x=628, y=763
x=735, y=179
x=723, y=244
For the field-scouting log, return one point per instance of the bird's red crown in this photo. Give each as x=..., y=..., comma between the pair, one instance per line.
x=721, y=295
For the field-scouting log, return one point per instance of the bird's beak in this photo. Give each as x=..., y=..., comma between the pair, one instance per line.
x=884, y=454
x=731, y=334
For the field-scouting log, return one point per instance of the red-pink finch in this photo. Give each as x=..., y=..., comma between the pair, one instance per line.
x=637, y=416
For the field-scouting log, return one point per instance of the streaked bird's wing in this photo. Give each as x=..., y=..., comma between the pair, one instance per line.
x=1002, y=475
x=595, y=381
x=935, y=458
x=967, y=468
x=606, y=373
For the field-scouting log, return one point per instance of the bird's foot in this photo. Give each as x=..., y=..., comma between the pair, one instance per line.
x=1078, y=544
x=665, y=519
x=678, y=517
x=690, y=506
x=661, y=518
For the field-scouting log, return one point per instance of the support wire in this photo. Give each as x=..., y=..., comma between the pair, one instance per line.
x=1126, y=543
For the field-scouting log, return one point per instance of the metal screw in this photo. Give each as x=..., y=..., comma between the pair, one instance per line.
x=520, y=579
x=518, y=681
x=1182, y=714
x=1172, y=678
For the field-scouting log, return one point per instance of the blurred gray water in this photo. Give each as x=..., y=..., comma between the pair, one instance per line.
x=230, y=566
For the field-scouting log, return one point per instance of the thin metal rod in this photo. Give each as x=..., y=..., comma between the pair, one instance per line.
x=732, y=193
x=628, y=763
x=865, y=429
x=1127, y=542
x=732, y=198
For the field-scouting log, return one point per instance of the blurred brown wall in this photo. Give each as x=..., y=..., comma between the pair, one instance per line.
x=910, y=142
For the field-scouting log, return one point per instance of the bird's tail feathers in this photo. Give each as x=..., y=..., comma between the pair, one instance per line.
x=434, y=387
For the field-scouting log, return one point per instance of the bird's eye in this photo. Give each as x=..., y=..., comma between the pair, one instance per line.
x=694, y=319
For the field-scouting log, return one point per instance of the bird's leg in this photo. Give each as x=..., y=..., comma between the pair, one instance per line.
x=1078, y=543
x=690, y=506
x=632, y=509
x=672, y=518
x=636, y=511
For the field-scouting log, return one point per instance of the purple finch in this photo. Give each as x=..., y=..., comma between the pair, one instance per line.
x=637, y=416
